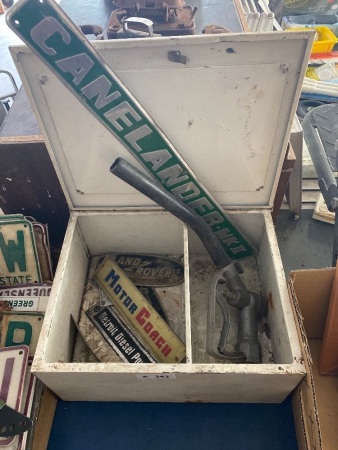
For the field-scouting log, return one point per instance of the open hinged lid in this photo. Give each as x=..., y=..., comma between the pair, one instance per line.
x=226, y=102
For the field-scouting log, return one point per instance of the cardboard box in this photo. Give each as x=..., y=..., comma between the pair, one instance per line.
x=229, y=111
x=315, y=401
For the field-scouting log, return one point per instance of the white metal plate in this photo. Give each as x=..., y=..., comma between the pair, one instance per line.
x=20, y=329
x=13, y=364
x=27, y=403
x=25, y=304
x=228, y=111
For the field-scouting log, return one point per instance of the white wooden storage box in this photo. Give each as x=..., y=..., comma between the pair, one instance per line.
x=228, y=111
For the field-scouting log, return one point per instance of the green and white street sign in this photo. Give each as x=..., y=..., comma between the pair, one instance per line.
x=45, y=28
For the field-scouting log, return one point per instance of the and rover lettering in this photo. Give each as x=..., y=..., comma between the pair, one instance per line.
x=151, y=270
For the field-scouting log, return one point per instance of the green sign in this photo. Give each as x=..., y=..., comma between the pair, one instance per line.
x=19, y=261
x=20, y=329
x=44, y=27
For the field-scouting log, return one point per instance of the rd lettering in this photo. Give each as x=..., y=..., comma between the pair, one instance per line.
x=149, y=328
x=18, y=333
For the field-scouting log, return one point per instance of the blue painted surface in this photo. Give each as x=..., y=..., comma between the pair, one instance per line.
x=147, y=426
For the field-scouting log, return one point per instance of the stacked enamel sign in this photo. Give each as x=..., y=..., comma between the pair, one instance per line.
x=121, y=305
x=25, y=283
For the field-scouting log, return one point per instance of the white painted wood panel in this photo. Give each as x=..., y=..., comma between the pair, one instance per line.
x=188, y=382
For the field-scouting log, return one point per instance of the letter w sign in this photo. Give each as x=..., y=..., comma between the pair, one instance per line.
x=19, y=263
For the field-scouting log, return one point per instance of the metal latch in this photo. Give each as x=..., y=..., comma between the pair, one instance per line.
x=176, y=56
x=130, y=33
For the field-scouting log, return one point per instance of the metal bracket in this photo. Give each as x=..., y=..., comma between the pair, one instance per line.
x=12, y=422
x=176, y=56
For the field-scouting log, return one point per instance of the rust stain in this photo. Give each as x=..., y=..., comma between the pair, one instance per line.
x=177, y=302
x=270, y=301
x=300, y=359
x=266, y=330
x=5, y=306
x=258, y=93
